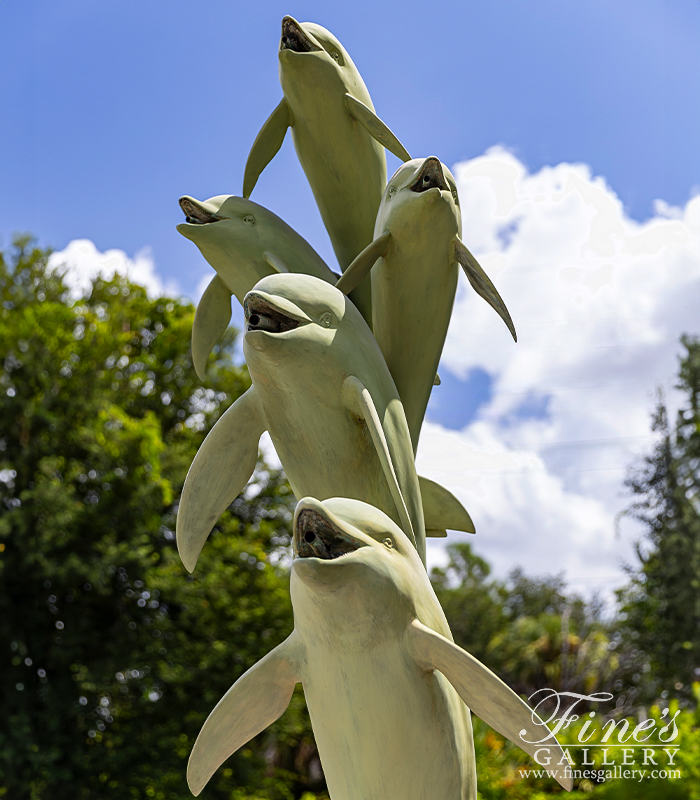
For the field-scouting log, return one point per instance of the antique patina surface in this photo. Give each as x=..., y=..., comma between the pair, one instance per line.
x=385, y=684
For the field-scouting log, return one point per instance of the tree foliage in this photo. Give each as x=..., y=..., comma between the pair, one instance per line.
x=662, y=604
x=529, y=630
x=111, y=656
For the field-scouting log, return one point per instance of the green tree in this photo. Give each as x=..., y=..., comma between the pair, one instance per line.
x=472, y=602
x=662, y=602
x=111, y=656
x=529, y=630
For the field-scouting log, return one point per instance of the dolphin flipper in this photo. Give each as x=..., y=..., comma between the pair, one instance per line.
x=220, y=470
x=359, y=400
x=266, y=145
x=211, y=319
x=442, y=510
x=360, y=268
x=258, y=698
x=375, y=127
x=482, y=285
x=486, y=694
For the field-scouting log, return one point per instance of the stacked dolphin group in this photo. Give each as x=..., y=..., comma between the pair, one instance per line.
x=342, y=367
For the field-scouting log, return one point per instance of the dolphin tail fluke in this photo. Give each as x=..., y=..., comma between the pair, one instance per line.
x=258, y=698
x=361, y=266
x=442, y=510
x=359, y=400
x=220, y=470
x=488, y=697
x=266, y=145
x=211, y=319
x=375, y=127
x=482, y=285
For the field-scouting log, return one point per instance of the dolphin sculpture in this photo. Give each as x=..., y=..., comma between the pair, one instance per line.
x=385, y=685
x=417, y=246
x=323, y=391
x=339, y=139
x=244, y=242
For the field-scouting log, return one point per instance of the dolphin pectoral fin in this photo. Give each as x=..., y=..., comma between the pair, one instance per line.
x=486, y=694
x=482, y=285
x=266, y=145
x=375, y=127
x=258, y=698
x=359, y=401
x=360, y=268
x=211, y=319
x=274, y=262
x=442, y=510
x=220, y=470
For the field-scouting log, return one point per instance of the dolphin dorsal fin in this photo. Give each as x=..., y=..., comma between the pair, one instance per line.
x=359, y=400
x=375, y=127
x=481, y=283
x=442, y=510
x=258, y=698
x=211, y=319
x=220, y=470
x=486, y=694
x=266, y=145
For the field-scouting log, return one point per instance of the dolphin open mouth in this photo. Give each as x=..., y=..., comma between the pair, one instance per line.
x=430, y=177
x=261, y=315
x=196, y=214
x=315, y=536
x=294, y=38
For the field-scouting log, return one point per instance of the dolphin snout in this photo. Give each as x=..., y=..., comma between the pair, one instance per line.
x=294, y=38
x=430, y=176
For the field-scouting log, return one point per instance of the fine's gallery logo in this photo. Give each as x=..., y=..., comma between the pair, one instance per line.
x=621, y=748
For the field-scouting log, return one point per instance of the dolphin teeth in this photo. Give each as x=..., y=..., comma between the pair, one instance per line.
x=196, y=215
x=294, y=38
x=430, y=177
x=316, y=537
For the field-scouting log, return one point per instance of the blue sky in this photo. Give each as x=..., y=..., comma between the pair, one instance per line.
x=113, y=110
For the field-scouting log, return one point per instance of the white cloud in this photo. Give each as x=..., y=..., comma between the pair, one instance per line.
x=599, y=302
x=83, y=262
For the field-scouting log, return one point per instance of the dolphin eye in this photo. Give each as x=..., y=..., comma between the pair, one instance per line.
x=326, y=319
x=335, y=56
x=392, y=191
x=249, y=219
x=388, y=542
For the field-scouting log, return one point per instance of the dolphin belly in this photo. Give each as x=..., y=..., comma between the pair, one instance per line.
x=386, y=730
x=413, y=290
x=331, y=457
x=346, y=170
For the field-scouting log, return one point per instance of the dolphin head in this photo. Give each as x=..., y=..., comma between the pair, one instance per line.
x=421, y=188
x=292, y=319
x=355, y=572
x=227, y=228
x=309, y=53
